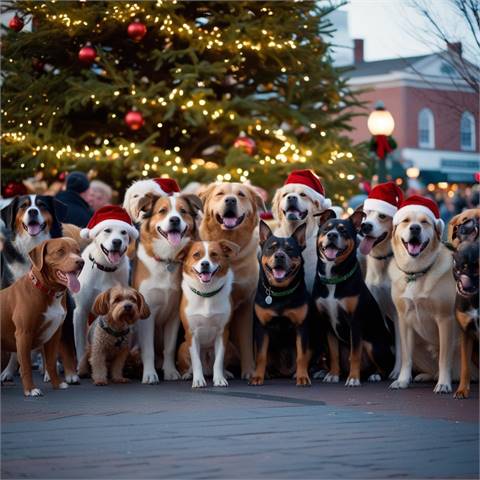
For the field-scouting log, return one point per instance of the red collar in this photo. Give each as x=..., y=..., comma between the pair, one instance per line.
x=51, y=292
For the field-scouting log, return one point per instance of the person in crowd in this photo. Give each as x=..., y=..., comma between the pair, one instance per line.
x=99, y=194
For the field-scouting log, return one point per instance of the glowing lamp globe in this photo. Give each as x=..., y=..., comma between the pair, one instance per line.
x=380, y=121
x=413, y=172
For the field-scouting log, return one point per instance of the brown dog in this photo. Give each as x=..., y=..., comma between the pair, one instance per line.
x=231, y=213
x=117, y=310
x=33, y=308
x=464, y=227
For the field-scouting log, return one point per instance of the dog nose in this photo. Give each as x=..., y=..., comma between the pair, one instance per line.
x=128, y=307
x=332, y=235
x=366, y=228
x=415, y=229
x=292, y=198
x=79, y=263
x=116, y=243
x=230, y=201
x=174, y=221
x=33, y=212
x=205, y=265
x=279, y=256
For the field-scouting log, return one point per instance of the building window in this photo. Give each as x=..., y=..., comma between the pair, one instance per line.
x=467, y=132
x=426, y=129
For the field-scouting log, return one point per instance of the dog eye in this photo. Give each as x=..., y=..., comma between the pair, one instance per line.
x=108, y=230
x=219, y=194
x=123, y=232
x=196, y=255
x=136, y=195
x=406, y=220
x=214, y=254
x=61, y=251
x=162, y=210
x=241, y=194
x=381, y=216
x=303, y=194
x=424, y=222
x=182, y=210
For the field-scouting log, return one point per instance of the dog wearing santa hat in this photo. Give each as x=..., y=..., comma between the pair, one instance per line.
x=375, y=244
x=423, y=291
x=135, y=195
x=110, y=231
x=298, y=201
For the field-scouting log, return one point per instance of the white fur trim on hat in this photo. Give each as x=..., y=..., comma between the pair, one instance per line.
x=404, y=211
x=93, y=232
x=313, y=194
x=381, y=206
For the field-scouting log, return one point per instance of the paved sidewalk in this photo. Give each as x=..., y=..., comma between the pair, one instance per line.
x=275, y=431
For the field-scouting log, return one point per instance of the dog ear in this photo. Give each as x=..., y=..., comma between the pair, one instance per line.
x=9, y=213
x=325, y=216
x=58, y=210
x=257, y=199
x=195, y=203
x=37, y=255
x=300, y=235
x=142, y=306
x=276, y=204
x=357, y=217
x=180, y=256
x=146, y=204
x=453, y=228
x=101, y=306
x=205, y=192
x=229, y=249
x=265, y=232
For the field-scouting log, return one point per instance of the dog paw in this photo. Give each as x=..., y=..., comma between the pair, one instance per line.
x=120, y=380
x=34, y=392
x=423, y=377
x=462, y=393
x=256, y=381
x=6, y=377
x=62, y=385
x=46, y=378
x=150, y=378
x=303, y=381
x=199, y=382
x=442, y=388
x=187, y=376
x=353, y=382
x=374, y=378
x=100, y=382
x=229, y=375
x=247, y=375
x=72, y=379
x=220, y=382
x=394, y=374
x=330, y=378
x=171, y=374
x=320, y=375
x=399, y=384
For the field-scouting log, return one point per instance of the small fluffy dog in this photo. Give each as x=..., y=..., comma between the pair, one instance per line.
x=206, y=308
x=117, y=310
x=423, y=289
x=296, y=202
x=106, y=264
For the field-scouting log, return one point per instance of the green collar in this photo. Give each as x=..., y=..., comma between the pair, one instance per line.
x=412, y=276
x=340, y=279
x=205, y=294
x=283, y=293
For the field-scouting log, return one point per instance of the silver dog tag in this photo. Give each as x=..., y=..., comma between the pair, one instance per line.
x=171, y=267
x=268, y=300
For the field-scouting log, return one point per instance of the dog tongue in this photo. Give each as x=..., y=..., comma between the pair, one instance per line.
x=293, y=215
x=33, y=228
x=114, y=257
x=331, y=253
x=278, y=273
x=229, y=221
x=72, y=282
x=366, y=245
x=205, y=277
x=414, y=248
x=174, y=238
x=465, y=281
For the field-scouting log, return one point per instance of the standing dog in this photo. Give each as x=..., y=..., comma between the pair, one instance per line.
x=167, y=227
x=106, y=264
x=34, y=307
x=423, y=289
x=231, y=213
x=205, y=308
x=298, y=201
x=282, y=297
x=342, y=298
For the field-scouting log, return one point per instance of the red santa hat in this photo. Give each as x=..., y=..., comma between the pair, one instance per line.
x=168, y=185
x=419, y=204
x=384, y=198
x=109, y=216
x=311, y=184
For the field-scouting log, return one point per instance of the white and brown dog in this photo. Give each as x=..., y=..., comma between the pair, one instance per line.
x=205, y=309
x=301, y=198
x=106, y=264
x=168, y=225
x=376, y=234
x=423, y=291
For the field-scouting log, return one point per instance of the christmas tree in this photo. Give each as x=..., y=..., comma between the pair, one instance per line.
x=241, y=91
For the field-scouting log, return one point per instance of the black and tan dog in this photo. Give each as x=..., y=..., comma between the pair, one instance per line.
x=347, y=308
x=282, y=302
x=465, y=271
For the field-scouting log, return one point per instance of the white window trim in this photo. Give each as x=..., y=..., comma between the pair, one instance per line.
x=471, y=118
x=431, y=129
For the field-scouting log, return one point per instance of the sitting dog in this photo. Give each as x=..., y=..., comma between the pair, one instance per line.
x=167, y=227
x=282, y=297
x=376, y=233
x=352, y=315
x=423, y=290
x=465, y=271
x=464, y=227
x=106, y=264
x=117, y=310
x=34, y=307
x=205, y=309
x=298, y=201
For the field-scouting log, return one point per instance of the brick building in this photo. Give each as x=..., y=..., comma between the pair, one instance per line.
x=436, y=112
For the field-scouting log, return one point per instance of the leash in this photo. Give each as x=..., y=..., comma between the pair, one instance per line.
x=121, y=336
x=338, y=279
x=206, y=294
x=100, y=266
x=51, y=292
x=272, y=293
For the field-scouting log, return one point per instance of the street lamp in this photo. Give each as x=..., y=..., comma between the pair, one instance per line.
x=381, y=124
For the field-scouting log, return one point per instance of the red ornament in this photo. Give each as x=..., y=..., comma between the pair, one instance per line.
x=13, y=189
x=16, y=23
x=87, y=54
x=137, y=30
x=38, y=65
x=134, y=120
x=476, y=176
x=246, y=144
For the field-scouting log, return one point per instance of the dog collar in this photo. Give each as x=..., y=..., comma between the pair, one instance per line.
x=100, y=266
x=412, y=276
x=384, y=257
x=51, y=292
x=272, y=293
x=171, y=264
x=120, y=335
x=338, y=279
x=205, y=294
